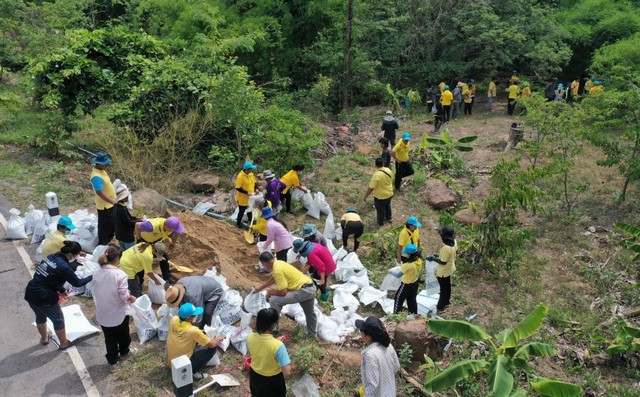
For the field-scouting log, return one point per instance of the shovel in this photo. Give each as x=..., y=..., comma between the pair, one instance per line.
x=249, y=235
x=181, y=269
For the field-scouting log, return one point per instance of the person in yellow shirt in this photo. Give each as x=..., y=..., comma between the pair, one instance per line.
x=400, y=154
x=351, y=224
x=472, y=90
x=491, y=94
x=513, y=91
x=105, y=197
x=442, y=86
x=575, y=88
x=514, y=77
x=291, y=286
x=55, y=240
x=447, y=100
x=161, y=233
x=183, y=337
x=588, y=85
x=245, y=187
x=261, y=224
x=596, y=88
x=408, y=290
x=136, y=262
x=467, y=99
x=446, y=260
x=381, y=185
x=292, y=181
x=410, y=234
x=526, y=93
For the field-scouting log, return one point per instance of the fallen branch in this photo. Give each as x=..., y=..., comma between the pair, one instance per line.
x=413, y=382
x=635, y=312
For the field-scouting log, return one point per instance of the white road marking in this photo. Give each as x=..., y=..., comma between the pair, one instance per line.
x=77, y=361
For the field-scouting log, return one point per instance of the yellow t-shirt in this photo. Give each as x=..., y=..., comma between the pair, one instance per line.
x=513, y=91
x=411, y=271
x=514, y=78
x=441, y=85
x=288, y=277
x=133, y=261
x=596, y=88
x=575, y=86
x=382, y=183
x=491, y=92
x=402, y=150
x=158, y=233
x=248, y=183
x=409, y=237
x=466, y=95
x=588, y=85
x=261, y=223
x=464, y=87
x=263, y=348
x=447, y=98
x=472, y=88
x=52, y=243
x=183, y=338
x=107, y=189
x=526, y=92
x=291, y=179
x=351, y=217
x=447, y=254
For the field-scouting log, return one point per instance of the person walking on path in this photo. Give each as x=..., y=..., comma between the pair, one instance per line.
x=439, y=116
x=277, y=233
x=410, y=234
x=389, y=127
x=457, y=100
x=491, y=94
x=47, y=287
x=270, y=361
x=183, y=338
x=512, y=99
x=162, y=234
x=446, y=260
x=292, y=181
x=559, y=93
x=310, y=233
x=198, y=290
x=105, y=197
x=273, y=188
x=291, y=286
x=319, y=261
x=351, y=224
x=381, y=185
x=136, y=262
x=113, y=300
x=447, y=100
x=245, y=187
x=56, y=238
x=380, y=362
x=124, y=222
x=408, y=291
x=386, y=153
x=400, y=154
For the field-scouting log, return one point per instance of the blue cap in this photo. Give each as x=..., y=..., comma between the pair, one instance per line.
x=446, y=87
x=101, y=159
x=413, y=221
x=410, y=249
x=248, y=166
x=406, y=136
x=65, y=221
x=351, y=209
x=267, y=213
x=597, y=82
x=188, y=310
x=472, y=80
x=560, y=85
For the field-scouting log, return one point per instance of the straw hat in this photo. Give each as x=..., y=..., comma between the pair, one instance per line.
x=174, y=295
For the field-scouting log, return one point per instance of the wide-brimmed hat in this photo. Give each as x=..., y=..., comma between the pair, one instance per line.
x=371, y=326
x=174, y=223
x=174, y=294
x=123, y=194
x=447, y=232
x=267, y=213
x=413, y=221
x=248, y=165
x=101, y=159
x=389, y=112
x=302, y=247
x=308, y=230
x=268, y=174
x=189, y=310
x=65, y=221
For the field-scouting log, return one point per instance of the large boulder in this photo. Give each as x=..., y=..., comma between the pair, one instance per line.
x=439, y=196
x=151, y=202
x=203, y=182
x=224, y=203
x=467, y=217
x=414, y=332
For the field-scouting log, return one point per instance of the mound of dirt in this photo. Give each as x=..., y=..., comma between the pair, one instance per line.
x=209, y=242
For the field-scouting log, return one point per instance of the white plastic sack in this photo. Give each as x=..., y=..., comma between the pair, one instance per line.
x=239, y=339
x=74, y=291
x=292, y=257
x=156, y=292
x=361, y=278
x=350, y=287
x=145, y=319
x=327, y=329
x=234, y=216
x=390, y=283
x=202, y=207
x=31, y=219
x=222, y=280
x=305, y=387
x=165, y=314
x=337, y=233
x=307, y=199
x=368, y=295
x=332, y=248
x=292, y=310
x=297, y=194
x=340, y=254
x=343, y=298
x=329, y=229
x=229, y=308
x=427, y=304
x=433, y=287
x=323, y=205
x=342, y=274
x=87, y=238
x=252, y=201
x=351, y=261
x=386, y=304
x=16, y=226
x=215, y=361
x=314, y=211
x=41, y=229
x=256, y=301
x=76, y=325
x=217, y=328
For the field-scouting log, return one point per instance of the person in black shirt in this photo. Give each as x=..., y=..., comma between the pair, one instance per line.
x=386, y=153
x=389, y=126
x=125, y=223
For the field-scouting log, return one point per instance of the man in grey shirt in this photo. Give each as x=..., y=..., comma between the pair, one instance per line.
x=200, y=290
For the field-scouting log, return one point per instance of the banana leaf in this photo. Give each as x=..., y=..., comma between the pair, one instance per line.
x=463, y=148
x=535, y=349
x=467, y=139
x=518, y=393
x=525, y=328
x=500, y=380
x=454, y=374
x=458, y=330
x=555, y=388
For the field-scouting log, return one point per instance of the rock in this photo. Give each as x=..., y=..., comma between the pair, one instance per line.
x=467, y=217
x=414, y=332
x=224, y=203
x=364, y=148
x=204, y=182
x=349, y=359
x=591, y=229
x=342, y=130
x=439, y=196
x=151, y=202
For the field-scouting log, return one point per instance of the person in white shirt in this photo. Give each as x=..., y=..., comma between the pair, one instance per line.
x=379, y=360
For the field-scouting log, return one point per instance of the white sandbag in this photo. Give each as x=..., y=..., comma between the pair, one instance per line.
x=305, y=387
x=345, y=320
x=292, y=257
x=156, y=292
x=342, y=274
x=217, y=328
x=368, y=295
x=427, y=304
x=314, y=211
x=239, y=339
x=327, y=329
x=386, y=304
x=292, y=310
x=39, y=252
x=202, y=207
x=396, y=272
x=86, y=237
x=307, y=200
x=297, y=194
x=76, y=325
x=234, y=216
x=41, y=229
x=329, y=229
x=144, y=319
x=214, y=362
x=337, y=233
x=252, y=201
x=31, y=219
x=322, y=204
x=390, y=283
x=332, y=248
x=74, y=291
x=350, y=261
x=165, y=314
x=16, y=226
x=256, y=301
x=222, y=280
x=340, y=254
x=342, y=298
x=350, y=287
x=361, y=278
x=98, y=252
x=432, y=285
x=229, y=309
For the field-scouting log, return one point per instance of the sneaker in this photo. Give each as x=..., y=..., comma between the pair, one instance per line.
x=130, y=353
x=199, y=376
x=113, y=367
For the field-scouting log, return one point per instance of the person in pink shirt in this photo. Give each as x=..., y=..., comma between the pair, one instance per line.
x=277, y=233
x=113, y=306
x=319, y=261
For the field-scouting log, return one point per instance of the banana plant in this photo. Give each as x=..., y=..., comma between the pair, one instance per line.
x=507, y=359
x=632, y=243
x=442, y=149
x=625, y=340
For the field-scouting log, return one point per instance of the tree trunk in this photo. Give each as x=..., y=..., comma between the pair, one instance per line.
x=348, y=59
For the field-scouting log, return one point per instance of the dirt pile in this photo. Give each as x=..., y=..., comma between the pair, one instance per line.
x=209, y=242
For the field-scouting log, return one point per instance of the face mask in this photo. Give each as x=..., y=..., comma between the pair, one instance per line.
x=68, y=232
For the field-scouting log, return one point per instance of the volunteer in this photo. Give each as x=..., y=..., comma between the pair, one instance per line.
x=379, y=363
x=596, y=88
x=199, y=290
x=319, y=261
x=138, y=261
x=47, y=286
x=447, y=100
x=446, y=260
x=111, y=296
x=261, y=224
x=105, y=197
x=310, y=233
x=292, y=181
x=491, y=93
x=351, y=224
x=381, y=186
x=162, y=231
x=386, y=153
x=245, y=186
x=400, y=154
x=410, y=234
x=183, y=338
x=55, y=239
x=125, y=223
x=513, y=91
x=291, y=286
x=457, y=99
x=408, y=291
x=389, y=127
x=270, y=361
x=273, y=189
x=277, y=233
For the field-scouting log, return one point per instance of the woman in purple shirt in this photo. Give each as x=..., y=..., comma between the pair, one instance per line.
x=278, y=234
x=273, y=188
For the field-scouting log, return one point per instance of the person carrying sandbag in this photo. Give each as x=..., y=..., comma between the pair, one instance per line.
x=351, y=224
x=292, y=181
x=381, y=185
x=408, y=290
x=245, y=186
x=319, y=261
x=199, y=290
x=138, y=260
x=165, y=232
x=410, y=234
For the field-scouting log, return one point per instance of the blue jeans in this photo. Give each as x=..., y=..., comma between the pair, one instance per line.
x=456, y=110
x=490, y=103
x=125, y=246
x=201, y=355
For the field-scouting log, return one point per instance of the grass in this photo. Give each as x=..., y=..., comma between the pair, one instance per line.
x=20, y=123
